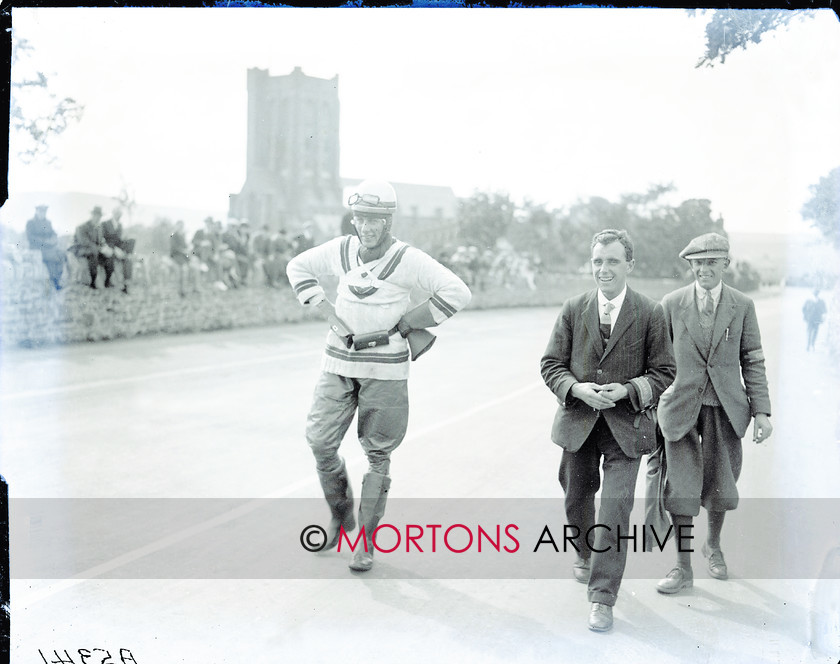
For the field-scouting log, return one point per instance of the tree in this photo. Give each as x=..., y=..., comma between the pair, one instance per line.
x=823, y=208
x=730, y=29
x=126, y=202
x=484, y=218
x=36, y=114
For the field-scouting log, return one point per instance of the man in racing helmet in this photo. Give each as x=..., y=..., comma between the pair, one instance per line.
x=365, y=364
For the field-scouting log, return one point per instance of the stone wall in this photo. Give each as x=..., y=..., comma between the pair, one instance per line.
x=32, y=313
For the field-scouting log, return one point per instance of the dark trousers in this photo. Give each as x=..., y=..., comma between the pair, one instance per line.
x=93, y=263
x=110, y=264
x=580, y=478
x=704, y=466
x=813, y=329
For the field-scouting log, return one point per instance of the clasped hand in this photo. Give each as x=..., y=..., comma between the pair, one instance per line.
x=598, y=396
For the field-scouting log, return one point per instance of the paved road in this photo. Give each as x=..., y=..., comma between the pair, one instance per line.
x=221, y=416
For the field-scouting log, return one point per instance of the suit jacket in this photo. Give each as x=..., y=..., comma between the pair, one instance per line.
x=735, y=354
x=638, y=355
x=87, y=239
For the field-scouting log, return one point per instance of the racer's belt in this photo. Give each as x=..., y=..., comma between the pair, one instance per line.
x=372, y=339
x=369, y=340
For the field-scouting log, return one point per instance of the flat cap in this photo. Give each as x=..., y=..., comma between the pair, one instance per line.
x=708, y=245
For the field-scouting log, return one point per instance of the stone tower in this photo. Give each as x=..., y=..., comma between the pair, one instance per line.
x=292, y=179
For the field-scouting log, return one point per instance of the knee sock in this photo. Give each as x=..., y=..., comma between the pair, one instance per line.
x=683, y=557
x=715, y=527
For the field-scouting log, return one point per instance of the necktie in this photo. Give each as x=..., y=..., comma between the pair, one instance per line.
x=606, y=322
x=708, y=305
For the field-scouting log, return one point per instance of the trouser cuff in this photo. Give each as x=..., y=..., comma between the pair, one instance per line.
x=602, y=597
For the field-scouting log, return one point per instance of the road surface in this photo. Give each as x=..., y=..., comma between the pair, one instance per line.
x=220, y=417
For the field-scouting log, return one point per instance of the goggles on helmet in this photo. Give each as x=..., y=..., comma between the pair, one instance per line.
x=370, y=199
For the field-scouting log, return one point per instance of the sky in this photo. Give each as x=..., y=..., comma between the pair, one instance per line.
x=553, y=105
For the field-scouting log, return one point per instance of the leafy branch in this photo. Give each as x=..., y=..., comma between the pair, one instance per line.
x=36, y=115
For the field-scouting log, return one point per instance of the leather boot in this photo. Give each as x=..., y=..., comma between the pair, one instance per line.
x=371, y=509
x=339, y=495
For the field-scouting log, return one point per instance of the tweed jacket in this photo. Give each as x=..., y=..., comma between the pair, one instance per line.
x=735, y=363
x=638, y=355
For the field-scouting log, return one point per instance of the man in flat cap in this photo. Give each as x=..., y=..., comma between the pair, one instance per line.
x=705, y=413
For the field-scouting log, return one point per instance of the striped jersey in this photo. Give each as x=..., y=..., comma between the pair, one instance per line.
x=372, y=297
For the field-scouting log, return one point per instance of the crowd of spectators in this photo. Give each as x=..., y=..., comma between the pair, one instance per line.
x=501, y=266
x=101, y=243
x=233, y=256
x=96, y=243
x=227, y=256
x=217, y=256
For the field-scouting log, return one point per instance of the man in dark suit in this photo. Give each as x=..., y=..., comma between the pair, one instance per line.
x=706, y=412
x=89, y=245
x=607, y=362
x=119, y=249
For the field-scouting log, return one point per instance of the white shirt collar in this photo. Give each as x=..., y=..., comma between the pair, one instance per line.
x=701, y=292
x=617, y=301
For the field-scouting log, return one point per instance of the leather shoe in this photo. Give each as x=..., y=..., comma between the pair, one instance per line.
x=678, y=579
x=717, y=565
x=362, y=561
x=600, y=617
x=581, y=570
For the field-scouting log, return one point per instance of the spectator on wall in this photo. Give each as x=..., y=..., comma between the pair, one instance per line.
x=179, y=252
x=279, y=254
x=89, y=245
x=42, y=237
x=120, y=248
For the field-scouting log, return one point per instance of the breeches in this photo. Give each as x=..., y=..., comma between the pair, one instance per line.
x=382, y=418
x=580, y=478
x=703, y=466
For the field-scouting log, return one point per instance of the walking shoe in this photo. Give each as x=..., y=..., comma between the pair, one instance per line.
x=581, y=570
x=717, y=565
x=678, y=579
x=362, y=561
x=600, y=617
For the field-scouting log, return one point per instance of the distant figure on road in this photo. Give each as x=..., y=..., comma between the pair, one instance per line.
x=365, y=366
x=42, y=237
x=705, y=413
x=607, y=362
x=813, y=311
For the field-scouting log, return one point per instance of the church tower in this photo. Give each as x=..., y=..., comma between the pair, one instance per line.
x=292, y=177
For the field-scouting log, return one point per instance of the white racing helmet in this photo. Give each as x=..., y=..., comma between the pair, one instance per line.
x=374, y=197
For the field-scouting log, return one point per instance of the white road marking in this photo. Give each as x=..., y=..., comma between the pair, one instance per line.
x=64, y=584
x=112, y=382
